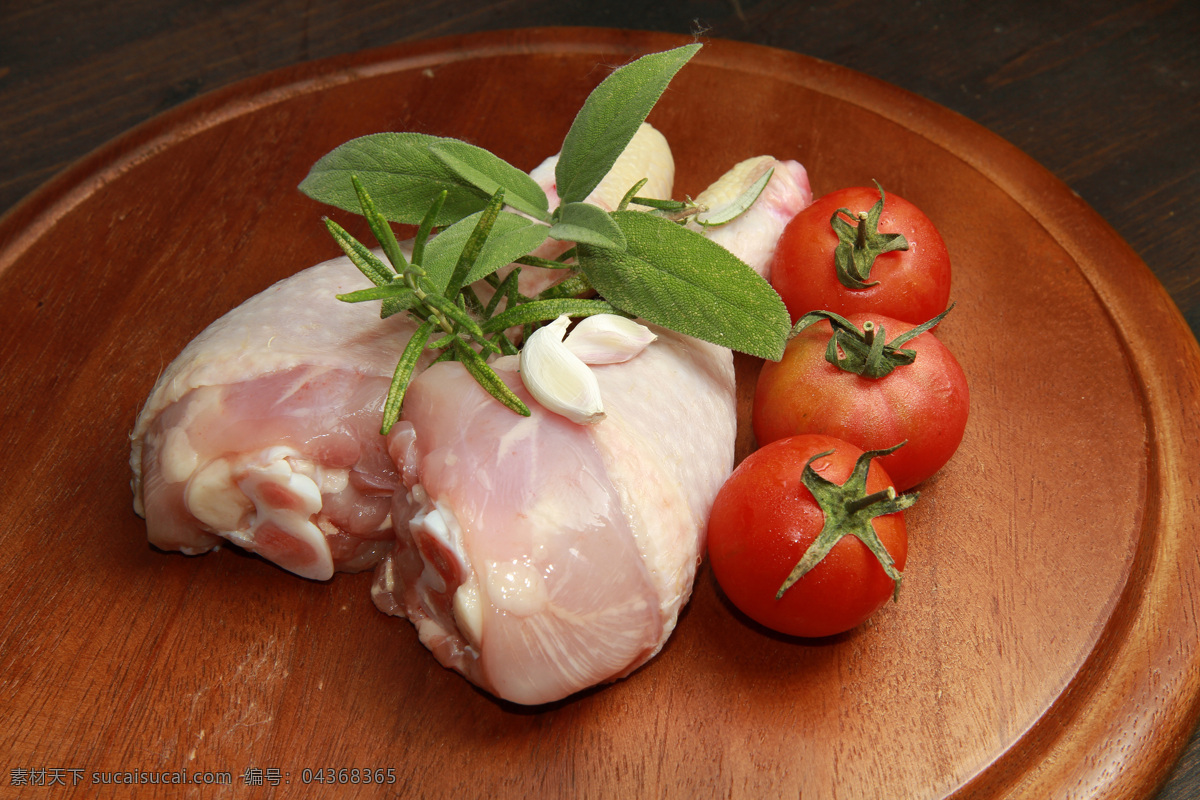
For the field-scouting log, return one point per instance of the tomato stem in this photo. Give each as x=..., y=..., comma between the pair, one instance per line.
x=860, y=240
x=866, y=351
x=848, y=511
x=871, y=499
x=860, y=243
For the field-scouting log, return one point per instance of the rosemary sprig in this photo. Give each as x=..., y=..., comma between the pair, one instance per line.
x=465, y=329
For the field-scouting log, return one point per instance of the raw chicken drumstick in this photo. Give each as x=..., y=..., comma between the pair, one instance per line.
x=539, y=557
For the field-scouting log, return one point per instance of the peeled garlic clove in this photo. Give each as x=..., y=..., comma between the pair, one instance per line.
x=728, y=196
x=557, y=378
x=608, y=339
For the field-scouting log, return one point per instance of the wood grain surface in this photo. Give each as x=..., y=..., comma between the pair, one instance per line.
x=253, y=691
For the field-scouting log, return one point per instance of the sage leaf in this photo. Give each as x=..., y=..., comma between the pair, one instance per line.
x=610, y=117
x=401, y=174
x=512, y=236
x=673, y=277
x=587, y=224
x=488, y=172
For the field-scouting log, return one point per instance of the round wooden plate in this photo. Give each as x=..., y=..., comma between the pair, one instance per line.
x=1045, y=643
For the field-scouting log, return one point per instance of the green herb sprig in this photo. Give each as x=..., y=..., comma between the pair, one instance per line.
x=405, y=285
x=488, y=214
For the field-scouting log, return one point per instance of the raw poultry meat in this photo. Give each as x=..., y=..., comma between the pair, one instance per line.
x=539, y=557
x=754, y=235
x=536, y=556
x=264, y=431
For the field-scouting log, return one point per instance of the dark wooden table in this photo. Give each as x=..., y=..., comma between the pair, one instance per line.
x=1105, y=93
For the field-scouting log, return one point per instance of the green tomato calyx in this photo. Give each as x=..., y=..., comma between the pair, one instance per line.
x=865, y=351
x=848, y=511
x=860, y=243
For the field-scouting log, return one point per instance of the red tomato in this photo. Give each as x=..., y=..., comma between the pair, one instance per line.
x=762, y=523
x=911, y=285
x=924, y=404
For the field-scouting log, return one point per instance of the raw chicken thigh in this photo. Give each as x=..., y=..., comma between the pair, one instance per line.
x=265, y=430
x=539, y=557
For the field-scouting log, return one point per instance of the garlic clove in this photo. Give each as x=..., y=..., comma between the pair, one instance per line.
x=557, y=378
x=608, y=339
x=725, y=197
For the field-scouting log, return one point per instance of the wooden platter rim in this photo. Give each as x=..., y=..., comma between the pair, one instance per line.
x=1072, y=745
